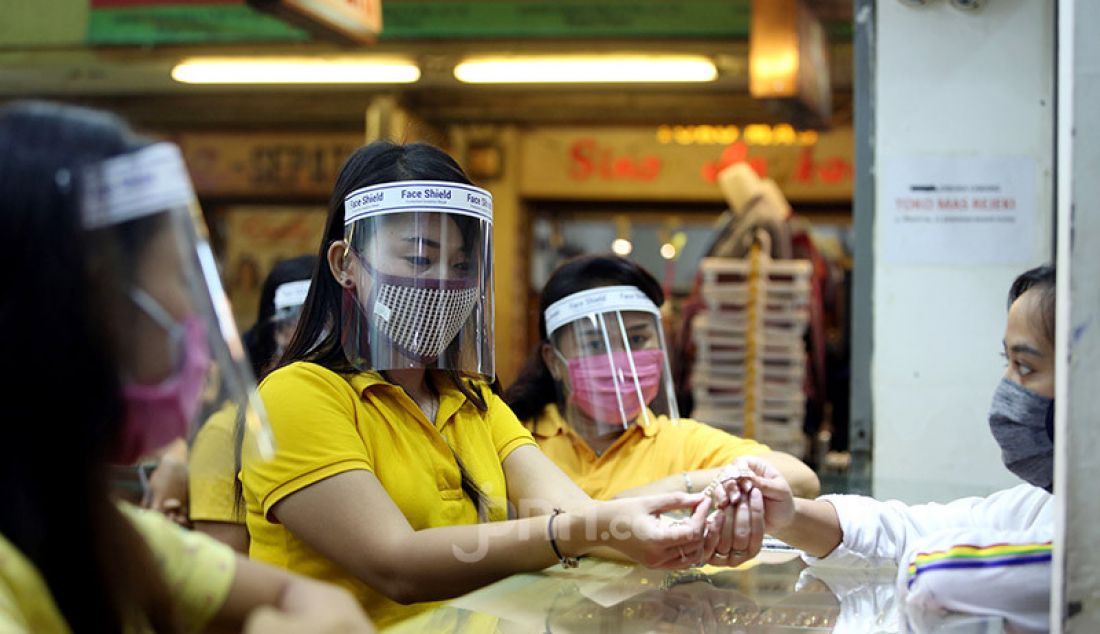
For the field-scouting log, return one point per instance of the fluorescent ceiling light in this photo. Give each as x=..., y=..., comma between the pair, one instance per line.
x=537, y=69
x=295, y=70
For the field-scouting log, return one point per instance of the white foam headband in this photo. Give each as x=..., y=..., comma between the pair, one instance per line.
x=131, y=186
x=291, y=294
x=418, y=196
x=595, y=301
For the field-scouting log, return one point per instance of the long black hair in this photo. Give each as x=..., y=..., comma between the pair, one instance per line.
x=55, y=334
x=321, y=324
x=535, y=387
x=1043, y=279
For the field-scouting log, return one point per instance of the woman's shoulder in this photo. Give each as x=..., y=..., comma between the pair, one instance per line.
x=679, y=425
x=221, y=422
x=691, y=430
x=297, y=369
x=301, y=373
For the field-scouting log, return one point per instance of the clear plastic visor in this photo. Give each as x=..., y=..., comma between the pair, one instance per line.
x=612, y=370
x=180, y=352
x=418, y=292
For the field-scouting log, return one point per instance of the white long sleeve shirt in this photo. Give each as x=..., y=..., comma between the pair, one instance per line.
x=977, y=555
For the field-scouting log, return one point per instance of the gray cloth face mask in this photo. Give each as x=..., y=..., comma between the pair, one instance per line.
x=1022, y=424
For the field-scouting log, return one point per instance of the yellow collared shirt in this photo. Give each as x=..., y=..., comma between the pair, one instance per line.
x=326, y=424
x=197, y=570
x=641, y=455
x=212, y=469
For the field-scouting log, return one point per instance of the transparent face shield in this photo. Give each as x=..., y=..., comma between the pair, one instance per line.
x=417, y=276
x=610, y=359
x=181, y=355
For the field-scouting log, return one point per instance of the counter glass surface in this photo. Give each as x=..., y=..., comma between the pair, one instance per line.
x=774, y=593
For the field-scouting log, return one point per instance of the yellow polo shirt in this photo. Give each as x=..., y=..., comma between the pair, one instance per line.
x=197, y=570
x=212, y=470
x=642, y=454
x=325, y=424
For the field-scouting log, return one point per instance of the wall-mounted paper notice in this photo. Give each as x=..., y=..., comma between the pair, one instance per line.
x=957, y=210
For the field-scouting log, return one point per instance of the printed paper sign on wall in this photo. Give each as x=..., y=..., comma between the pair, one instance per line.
x=958, y=210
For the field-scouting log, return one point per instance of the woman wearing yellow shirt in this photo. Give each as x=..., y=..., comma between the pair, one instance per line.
x=398, y=465
x=216, y=497
x=598, y=396
x=107, y=333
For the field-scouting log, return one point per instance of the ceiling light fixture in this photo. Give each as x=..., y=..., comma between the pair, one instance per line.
x=555, y=69
x=295, y=70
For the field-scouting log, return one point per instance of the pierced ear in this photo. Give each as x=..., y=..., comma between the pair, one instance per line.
x=338, y=264
x=551, y=361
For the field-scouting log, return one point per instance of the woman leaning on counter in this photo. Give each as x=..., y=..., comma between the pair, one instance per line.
x=397, y=460
x=598, y=397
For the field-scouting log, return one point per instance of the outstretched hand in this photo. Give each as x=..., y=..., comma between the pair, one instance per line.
x=778, y=501
x=739, y=518
x=636, y=528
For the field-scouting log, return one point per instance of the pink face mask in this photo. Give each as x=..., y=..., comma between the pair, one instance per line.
x=593, y=383
x=158, y=414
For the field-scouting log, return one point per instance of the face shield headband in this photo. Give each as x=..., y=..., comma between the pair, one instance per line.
x=289, y=298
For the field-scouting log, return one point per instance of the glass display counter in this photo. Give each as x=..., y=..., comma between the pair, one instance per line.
x=774, y=593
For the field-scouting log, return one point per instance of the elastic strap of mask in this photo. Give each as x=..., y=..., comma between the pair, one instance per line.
x=153, y=308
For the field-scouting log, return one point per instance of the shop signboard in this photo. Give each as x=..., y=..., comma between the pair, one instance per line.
x=406, y=19
x=256, y=165
x=347, y=21
x=682, y=162
x=144, y=22
x=196, y=21
x=662, y=163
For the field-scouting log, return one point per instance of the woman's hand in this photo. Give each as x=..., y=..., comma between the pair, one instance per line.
x=740, y=517
x=779, y=509
x=268, y=620
x=167, y=488
x=740, y=528
x=636, y=528
x=268, y=600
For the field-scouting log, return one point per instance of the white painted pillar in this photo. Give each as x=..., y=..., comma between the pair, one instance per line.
x=966, y=86
x=1076, y=591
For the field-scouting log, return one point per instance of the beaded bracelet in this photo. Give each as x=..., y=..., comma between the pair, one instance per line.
x=566, y=562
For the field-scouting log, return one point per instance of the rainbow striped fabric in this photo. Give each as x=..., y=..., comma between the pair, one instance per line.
x=969, y=556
